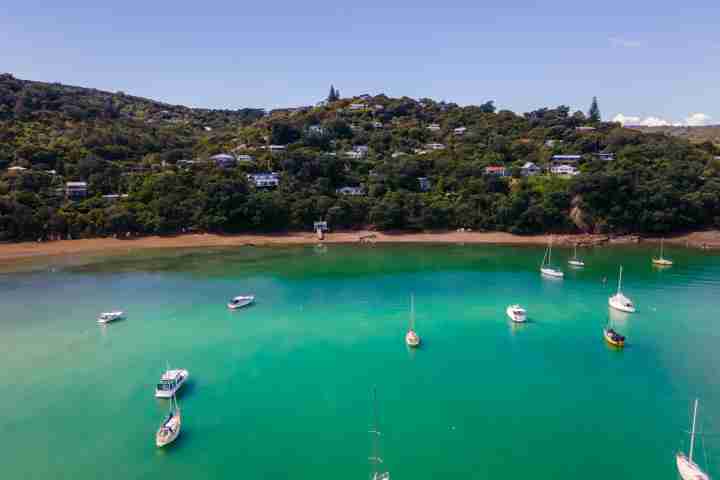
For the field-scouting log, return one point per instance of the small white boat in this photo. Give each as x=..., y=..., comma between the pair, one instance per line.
x=241, y=301
x=575, y=261
x=170, y=427
x=412, y=339
x=516, y=313
x=620, y=301
x=107, y=317
x=688, y=469
x=547, y=269
x=661, y=261
x=170, y=382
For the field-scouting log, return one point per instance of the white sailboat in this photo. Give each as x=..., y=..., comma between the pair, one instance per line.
x=661, y=261
x=546, y=268
x=170, y=427
x=375, y=432
x=412, y=339
x=107, y=317
x=620, y=301
x=575, y=261
x=688, y=469
x=241, y=301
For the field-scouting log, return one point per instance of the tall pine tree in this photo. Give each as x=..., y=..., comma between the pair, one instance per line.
x=334, y=95
x=594, y=112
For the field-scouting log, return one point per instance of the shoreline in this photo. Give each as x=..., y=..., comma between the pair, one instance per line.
x=106, y=246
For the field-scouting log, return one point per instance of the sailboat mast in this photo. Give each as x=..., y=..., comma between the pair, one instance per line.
x=661, y=247
x=692, y=434
x=412, y=311
x=375, y=459
x=620, y=280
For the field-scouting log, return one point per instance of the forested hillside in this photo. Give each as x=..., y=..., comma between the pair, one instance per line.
x=151, y=168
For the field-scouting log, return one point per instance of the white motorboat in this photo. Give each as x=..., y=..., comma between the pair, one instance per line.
x=619, y=301
x=170, y=427
x=686, y=467
x=375, y=432
x=547, y=269
x=662, y=261
x=412, y=339
x=107, y=317
x=516, y=313
x=170, y=382
x=575, y=261
x=241, y=301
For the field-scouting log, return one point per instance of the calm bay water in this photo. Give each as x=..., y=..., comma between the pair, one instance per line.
x=282, y=389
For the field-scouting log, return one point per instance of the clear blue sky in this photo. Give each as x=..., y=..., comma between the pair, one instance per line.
x=641, y=58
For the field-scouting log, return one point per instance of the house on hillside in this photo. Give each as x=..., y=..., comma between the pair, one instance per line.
x=245, y=158
x=434, y=127
x=76, y=190
x=316, y=130
x=565, y=159
x=398, y=154
x=435, y=146
x=17, y=169
x=529, y=169
x=460, y=130
x=564, y=170
x=264, y=180
x=585, y=129
x=351, y=191
x=223, y=160
x=277, y=148
x=495, y=170
x=424, y=184
x=377, y=124
x=607, y=157
x=357, y=107
x=115, y=196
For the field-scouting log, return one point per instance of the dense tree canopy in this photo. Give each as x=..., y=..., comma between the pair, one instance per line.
x=419, y=164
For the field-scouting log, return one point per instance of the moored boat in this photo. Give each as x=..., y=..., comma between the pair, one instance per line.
x=546, y=268
x=412, y=339
x=241, y=301
x=107, y=317
x=516, y=313
x=661, y=261
x=170, y=427
x=619, y=301
x=613, y=337
x=687, y=468
x=170, y=382
x=575, y=261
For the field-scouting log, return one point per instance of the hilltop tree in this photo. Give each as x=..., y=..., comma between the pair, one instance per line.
x=594, y=112
x=334, y=95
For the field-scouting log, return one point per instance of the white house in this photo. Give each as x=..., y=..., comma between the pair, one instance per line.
x=76, y=190
x=245, y=158
x=377, y=125
x=495, y=170
x=277, y=148
x=566, y=159
x=357, y=107
x=585, y=129
x=564, y=170
x=316, y=129
x=17, y=169
x=605, y=156
x=529, y=169
x=434, y=127
x=352, y=191
x=398, y=154
x=424, y=183
x=264, y=180
x=435, y=146
x=551, y=142
x=460, y=131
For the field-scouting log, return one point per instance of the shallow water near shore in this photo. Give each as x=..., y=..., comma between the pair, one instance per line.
x=282, y=389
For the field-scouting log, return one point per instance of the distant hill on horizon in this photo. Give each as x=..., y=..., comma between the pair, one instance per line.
x=708, y=133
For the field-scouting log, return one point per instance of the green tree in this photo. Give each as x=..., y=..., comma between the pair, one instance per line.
x=594, y=112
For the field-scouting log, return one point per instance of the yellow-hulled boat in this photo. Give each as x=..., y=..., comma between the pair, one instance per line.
x=613, y=338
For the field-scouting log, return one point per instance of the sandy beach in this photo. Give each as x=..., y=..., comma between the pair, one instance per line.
x=107, y=246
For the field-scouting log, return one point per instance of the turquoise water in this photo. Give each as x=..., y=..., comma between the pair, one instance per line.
x=282, y=389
